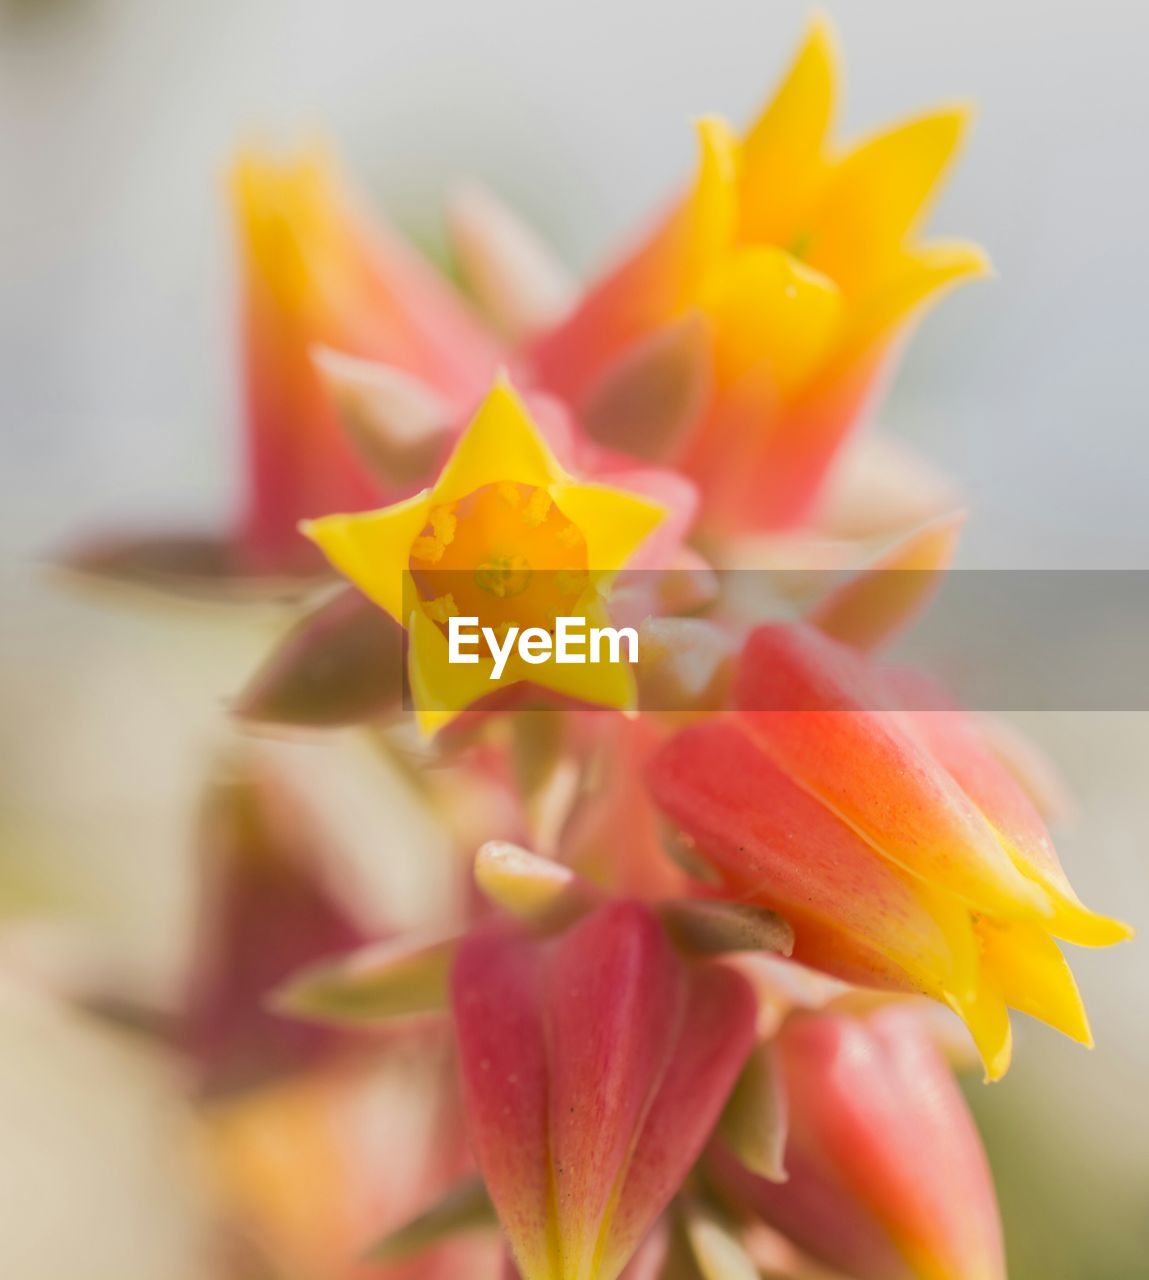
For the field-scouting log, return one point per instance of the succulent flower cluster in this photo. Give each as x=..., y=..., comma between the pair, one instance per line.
x=695, y=1019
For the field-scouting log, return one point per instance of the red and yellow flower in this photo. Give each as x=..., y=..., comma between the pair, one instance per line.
x=316, y=274
x=905, y=855
x=802, y=262
x=505, y=535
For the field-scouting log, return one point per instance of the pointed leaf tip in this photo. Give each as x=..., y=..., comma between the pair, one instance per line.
x=375, y=985
x=397, y=423
x=535, y=889
x=340, y=665
x=755, y=1121
x=514, y=275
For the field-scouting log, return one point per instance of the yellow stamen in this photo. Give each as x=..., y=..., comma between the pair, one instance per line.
x=443, y=524
x=442, y=608
x=538, y=508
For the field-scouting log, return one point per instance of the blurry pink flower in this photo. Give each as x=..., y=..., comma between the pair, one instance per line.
x=305, y=1171
x=595, y=1064
x=885, y=1176
x=316, y=274
x=271, y=904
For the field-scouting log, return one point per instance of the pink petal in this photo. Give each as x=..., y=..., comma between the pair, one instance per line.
x=854, y=914
x=888, y=1179
x=822, y=713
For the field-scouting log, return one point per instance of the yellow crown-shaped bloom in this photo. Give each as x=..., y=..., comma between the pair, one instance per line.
x=506, y=536
x=792, y=234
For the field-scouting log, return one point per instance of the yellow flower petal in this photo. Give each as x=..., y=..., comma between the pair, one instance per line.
x=1034, y=977
x=875, y=197
x=770, y=310
x=603, y=684
x=985, y=1014
x=373, y=549
x=501, y=444
x=1074, y=922
x=441, y=690
x=614, y=522
x=1071, y=920
x=607, y=684
x=282, y=208
x=920, y=277
x=709, y=217
x=783, y=151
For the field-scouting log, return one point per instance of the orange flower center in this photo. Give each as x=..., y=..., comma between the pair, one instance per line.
x=504, y=554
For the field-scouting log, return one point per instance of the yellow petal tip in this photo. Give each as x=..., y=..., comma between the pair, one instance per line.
x=1076, y=924
x=718, y=143
x=820, y=41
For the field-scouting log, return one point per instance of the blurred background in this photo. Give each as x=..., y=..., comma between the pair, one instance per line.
x=117, y=345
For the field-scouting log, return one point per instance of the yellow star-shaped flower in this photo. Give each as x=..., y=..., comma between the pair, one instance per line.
x=803, y=261
x=805, y=250
x=506, y=536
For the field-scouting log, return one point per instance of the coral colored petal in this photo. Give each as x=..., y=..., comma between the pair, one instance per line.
x=817, y=708
x=854, y=914
x=595, y=1065
x=651, y=286
x=316, y=272
x=774, y=321
x=954, y=739
x=779, y=486
x=878, y=1102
